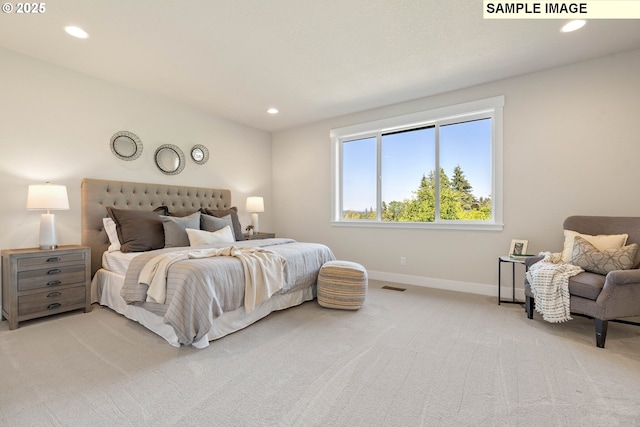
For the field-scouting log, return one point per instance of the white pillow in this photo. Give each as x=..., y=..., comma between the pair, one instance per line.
x=112, y=233
x=601, y=241
x=202, y=237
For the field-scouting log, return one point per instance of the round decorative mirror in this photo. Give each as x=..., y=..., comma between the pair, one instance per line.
x=126, y=145
x=169, y=159
x=200, y=154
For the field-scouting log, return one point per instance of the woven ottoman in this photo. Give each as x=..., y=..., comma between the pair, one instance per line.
x=342, y=285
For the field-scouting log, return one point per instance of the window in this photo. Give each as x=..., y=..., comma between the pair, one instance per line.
x=438, y=168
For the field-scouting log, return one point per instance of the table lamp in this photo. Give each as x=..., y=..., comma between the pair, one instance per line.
x=47, y=197
x=254, y=205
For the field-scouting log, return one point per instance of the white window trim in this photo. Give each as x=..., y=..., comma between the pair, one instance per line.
x=494, y=105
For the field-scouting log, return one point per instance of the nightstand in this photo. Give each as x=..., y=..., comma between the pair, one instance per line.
x=257, y=236
x=38, y=283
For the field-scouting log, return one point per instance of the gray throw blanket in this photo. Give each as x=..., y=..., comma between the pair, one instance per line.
x=549, y=281
x=263, y=272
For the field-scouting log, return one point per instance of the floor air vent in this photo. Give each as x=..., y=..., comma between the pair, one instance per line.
x=393, y=288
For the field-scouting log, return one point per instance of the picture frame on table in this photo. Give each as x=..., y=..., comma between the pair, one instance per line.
x=518, y=247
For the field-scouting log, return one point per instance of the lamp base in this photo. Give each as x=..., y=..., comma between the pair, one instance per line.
x=48, y=238
x=254, y=222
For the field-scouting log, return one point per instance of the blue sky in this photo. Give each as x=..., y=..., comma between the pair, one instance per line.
x=407, y=156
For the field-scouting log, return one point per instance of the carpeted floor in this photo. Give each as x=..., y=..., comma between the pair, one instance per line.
x=422, y=357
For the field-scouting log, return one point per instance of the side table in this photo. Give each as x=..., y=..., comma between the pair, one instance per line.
x=513, y=261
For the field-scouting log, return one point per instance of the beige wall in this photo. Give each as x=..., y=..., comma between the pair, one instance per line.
x=56, y=126
x=571, y=146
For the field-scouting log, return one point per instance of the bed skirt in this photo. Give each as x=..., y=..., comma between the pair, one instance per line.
x=105, y=290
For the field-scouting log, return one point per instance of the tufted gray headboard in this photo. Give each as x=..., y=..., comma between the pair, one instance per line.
x=97, y=194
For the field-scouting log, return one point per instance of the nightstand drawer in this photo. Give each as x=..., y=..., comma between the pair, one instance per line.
x=52, y=301
x=51, y=277
x=50, y=260
x=257, y=236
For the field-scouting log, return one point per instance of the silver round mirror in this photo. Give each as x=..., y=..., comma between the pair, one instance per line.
x=169, y=159
x=200, y=154
x=126, y=145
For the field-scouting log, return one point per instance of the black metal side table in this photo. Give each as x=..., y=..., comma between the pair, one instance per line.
x=513, y=261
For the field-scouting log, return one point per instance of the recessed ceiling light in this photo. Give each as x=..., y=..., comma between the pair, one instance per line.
x=272, y=110
x=76, y=32
x=573, y=25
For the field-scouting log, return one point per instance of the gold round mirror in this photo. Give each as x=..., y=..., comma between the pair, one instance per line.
x=126, y=145
x=169, y=159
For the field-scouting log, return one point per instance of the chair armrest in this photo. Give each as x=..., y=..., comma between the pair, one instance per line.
x=620, y=295
x=623, y=277
x=532, y=260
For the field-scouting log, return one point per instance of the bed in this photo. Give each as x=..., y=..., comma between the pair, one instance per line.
x=205, y=296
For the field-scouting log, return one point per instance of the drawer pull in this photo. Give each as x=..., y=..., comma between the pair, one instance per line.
x=53, y=306
x=54, y=283
x=54, y=294
x=54, y=271
x=54, y=259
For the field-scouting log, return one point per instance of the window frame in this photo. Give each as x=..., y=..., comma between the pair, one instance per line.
x=489, y=107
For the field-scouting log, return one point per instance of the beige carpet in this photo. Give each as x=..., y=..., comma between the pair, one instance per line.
x=417, y=358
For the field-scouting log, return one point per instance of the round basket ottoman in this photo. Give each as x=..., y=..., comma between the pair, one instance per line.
x=342, y=285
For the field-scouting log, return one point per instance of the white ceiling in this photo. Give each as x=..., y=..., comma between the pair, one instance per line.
x=312, y=59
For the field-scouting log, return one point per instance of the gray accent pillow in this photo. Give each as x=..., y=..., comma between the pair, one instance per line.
x=138, y=231
x=212, y=223
x=175, y=234
x=592, y=259
x=233, y=211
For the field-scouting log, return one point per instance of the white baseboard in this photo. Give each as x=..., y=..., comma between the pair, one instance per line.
x=451, y=285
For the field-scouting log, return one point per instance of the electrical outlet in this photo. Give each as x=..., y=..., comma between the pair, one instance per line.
x=403, y=260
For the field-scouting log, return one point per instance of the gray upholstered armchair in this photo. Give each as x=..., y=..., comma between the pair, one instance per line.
x=603, y=297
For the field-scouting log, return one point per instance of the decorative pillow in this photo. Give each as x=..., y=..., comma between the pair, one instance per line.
x=202, y=237
x=591, y=259
x=175, y=234
x=233, y=211
x=138, y=231
x=212, y=223
x=601, y=242
x=112, y=233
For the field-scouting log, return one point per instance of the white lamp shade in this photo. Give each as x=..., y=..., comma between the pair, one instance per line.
x=47, y=197
x=255, y=204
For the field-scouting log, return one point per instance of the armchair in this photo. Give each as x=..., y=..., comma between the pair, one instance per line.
x=603, y=297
